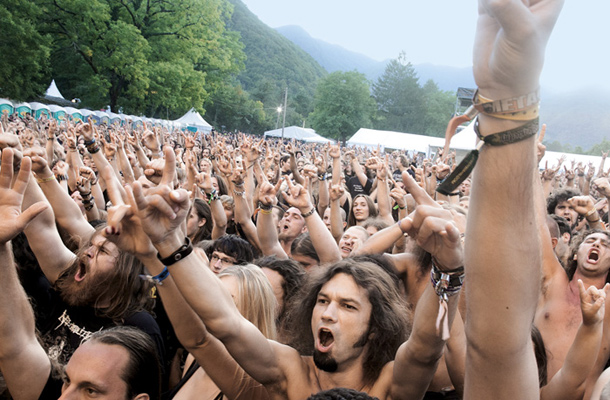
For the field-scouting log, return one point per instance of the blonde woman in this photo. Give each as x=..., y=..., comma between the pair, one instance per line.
x=205, y=373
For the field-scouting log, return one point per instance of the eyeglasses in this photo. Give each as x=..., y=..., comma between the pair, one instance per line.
x=225, y=261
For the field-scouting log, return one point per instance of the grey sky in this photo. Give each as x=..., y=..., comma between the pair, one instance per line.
x=441, y=32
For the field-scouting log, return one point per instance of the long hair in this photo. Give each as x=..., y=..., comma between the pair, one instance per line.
x=256, y=301
x=143, y=372
x=541, y=356
x=303, y=245
x=123, y=293
x=389, y=323
x=203, y=211
x=575, y=244
x=351, y=220
x=292, y=274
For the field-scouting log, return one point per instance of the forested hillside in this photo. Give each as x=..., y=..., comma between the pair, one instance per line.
x=272, y=62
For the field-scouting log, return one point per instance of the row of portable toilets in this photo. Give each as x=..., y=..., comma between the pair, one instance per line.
x=98, y=117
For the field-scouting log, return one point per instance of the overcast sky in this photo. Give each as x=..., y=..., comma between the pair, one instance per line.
x=442, y=31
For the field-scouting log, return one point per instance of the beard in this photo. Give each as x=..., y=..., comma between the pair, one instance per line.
x=324, y=361
x=327, y=363
x=84, y=293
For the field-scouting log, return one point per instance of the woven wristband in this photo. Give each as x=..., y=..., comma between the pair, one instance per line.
x=464, y=169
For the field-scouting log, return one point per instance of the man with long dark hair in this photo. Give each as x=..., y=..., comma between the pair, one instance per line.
x=357, y=322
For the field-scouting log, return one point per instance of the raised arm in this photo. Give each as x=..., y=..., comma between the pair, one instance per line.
x=161, y=216
x=204, y=181
x=416, y=360
x=266, y=229
x=569, y=382
x=501, y=232
x=67, y=213
x=321, y=238
x=23, y=362
x=242, y=213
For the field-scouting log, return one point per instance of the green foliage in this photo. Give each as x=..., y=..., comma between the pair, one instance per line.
x=405, y=106
x=232, y=107
x=342, y=105
x=274, y=63
x=439, y=106
x=24, y=52
x=399, y=97
x=595, y=150
x=599, y=148
x=154, y=57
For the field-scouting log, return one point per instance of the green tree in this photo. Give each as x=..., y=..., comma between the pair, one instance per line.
x=400, y=99
x=24, y=52
x=231, y=106
x=438, y=108
x=342, y=105
x=599, y=148
x=154, y=56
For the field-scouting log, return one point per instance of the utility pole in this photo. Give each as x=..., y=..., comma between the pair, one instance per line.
x=285, y=104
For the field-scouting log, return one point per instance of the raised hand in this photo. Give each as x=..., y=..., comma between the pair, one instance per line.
x=336, y=191
x=162, y=210
x=602, y=185
x=581, y=204
x=398, y=195
x=204, y=182
x=335, y=152
x=435, y=231
x=592, y=303
x=154, y=169
x=510, y=45
x=590, y=172
x=297, y=196
x=11, y=197
x=267, y=192
x=189, y=141
x=39, y=160
x=86, y=130
x=150, y=140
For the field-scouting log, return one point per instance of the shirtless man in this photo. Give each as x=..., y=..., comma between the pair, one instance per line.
x=352, y=313
x=558, y=315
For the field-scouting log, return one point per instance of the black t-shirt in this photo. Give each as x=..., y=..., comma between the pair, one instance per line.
x=65, y=327
x=355, y=187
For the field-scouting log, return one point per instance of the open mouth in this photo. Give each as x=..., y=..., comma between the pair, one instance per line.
x=82, y=271
x=325, y=339
x=593, y=256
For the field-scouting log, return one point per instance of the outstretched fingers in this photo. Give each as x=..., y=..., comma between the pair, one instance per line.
x=114, y=189
x=419, y=193
x=169, y=169
x=6, y=168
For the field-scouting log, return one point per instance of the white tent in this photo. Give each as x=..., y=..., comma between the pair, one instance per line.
x=193, y=119
x=465, y=140
x=53, y=91
x=394, y=140
x=298, y=133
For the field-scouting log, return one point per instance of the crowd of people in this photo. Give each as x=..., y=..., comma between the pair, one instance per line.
x=142, y=263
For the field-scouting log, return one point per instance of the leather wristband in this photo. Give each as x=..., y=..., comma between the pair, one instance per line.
x=309, y=213
x=183, y=251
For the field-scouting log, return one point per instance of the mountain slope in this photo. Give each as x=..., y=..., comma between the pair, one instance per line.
x=579, y=118
x=336, y=58
x=274, y=62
